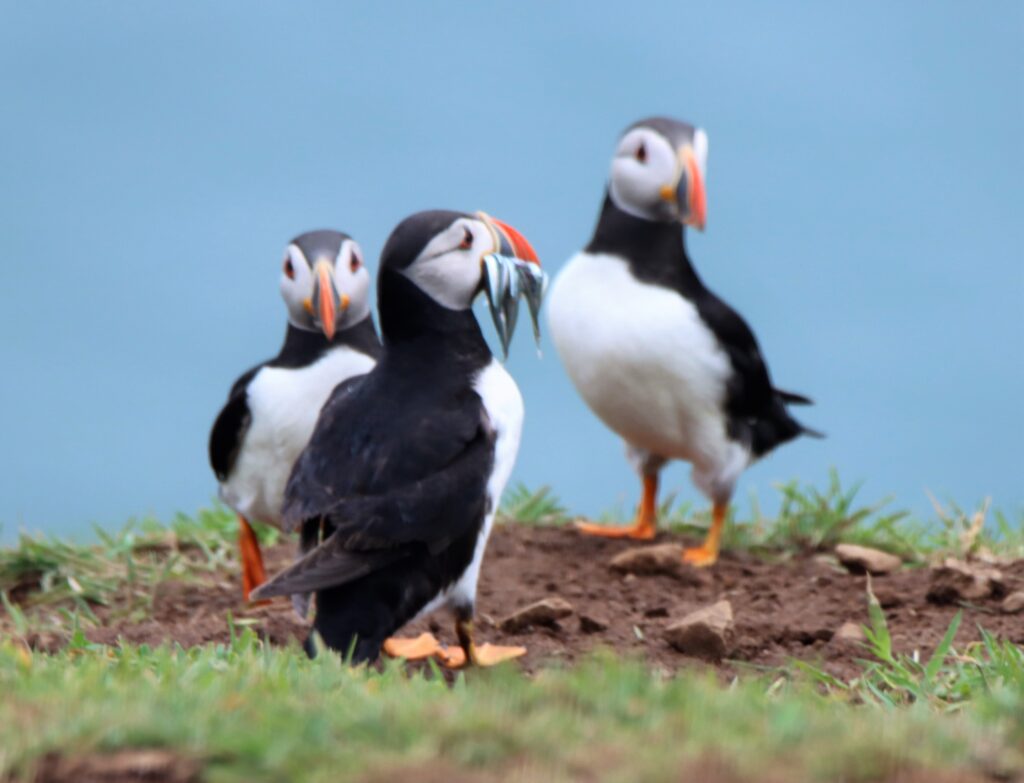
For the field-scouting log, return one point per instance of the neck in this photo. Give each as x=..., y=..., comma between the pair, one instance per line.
x=412, y=322
x=655, y=250
x=303, y=346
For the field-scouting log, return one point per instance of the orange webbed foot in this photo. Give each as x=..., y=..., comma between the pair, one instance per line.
x=700, y=557
x=423, y=646
x=635, y=531
x=485, y=655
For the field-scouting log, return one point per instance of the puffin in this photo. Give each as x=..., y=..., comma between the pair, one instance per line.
x=403, y=474
x=272, y=408
x=657, y=356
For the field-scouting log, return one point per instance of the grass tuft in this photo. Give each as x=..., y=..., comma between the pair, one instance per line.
x=532, y=507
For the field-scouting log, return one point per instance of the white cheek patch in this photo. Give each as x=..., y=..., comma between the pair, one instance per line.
x=355, y=285
x=635, y=185
x=448, y=274
x=295, y=291
x=451, y=279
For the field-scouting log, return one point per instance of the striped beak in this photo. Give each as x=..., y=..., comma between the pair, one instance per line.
x=327, y=304
x=686, y=196
x=512, y=270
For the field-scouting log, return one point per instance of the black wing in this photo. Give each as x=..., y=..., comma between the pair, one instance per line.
x=757, y=410
x=230, y=427
x=376, y=435
x=750, y=387
x=396, y=464
x=373, y=531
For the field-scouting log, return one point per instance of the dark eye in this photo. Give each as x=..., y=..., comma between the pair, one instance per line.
x=467, y=240
x=289, y=270
x=355, y=263
x=641, y=153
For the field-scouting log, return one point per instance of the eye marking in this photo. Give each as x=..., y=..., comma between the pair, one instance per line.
x=289, y=270
x=467, y=240
x=641, y=153
x=355, y=263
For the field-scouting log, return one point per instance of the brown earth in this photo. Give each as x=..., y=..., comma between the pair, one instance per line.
x=784, y=609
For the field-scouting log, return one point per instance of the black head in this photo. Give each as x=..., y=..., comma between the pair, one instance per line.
x=450, y=257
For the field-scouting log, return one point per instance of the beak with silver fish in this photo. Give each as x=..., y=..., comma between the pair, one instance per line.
x=512, y=270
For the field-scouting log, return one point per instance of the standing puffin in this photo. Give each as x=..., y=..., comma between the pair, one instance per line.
x=404, y=472
x=662, y=361
x=272, y=408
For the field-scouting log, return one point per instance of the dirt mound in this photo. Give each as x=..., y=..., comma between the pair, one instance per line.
x=126, y=766
x=790, y=608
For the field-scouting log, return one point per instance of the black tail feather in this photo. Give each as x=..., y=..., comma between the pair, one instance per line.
x=792, y=398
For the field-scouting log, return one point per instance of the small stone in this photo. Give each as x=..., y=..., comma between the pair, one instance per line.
x=862, y=559
x=547, y=612
x=888, y=597
x=848, y=633
x=656, y=611
x=658, y=559
x=956, y=580
x=1013, y=603
x=592, y=624
x=706, y=633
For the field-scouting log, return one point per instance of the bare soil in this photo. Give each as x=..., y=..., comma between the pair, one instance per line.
x=786, y=609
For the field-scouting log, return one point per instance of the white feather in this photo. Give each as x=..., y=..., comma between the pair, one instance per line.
x=504, y=406
x=646, y=364
x=284, y=404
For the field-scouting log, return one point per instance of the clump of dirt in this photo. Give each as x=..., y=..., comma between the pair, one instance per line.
x=784, y=609
x=126, y=766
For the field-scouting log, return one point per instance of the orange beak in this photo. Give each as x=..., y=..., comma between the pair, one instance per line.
x=697, y=213
x=517, y=244
x=324, y=298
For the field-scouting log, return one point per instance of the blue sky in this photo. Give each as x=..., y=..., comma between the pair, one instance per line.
x=864, y=214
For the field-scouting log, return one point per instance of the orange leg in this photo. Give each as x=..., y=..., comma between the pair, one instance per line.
x=643, y=527
x=253, y=573
x=707, y=553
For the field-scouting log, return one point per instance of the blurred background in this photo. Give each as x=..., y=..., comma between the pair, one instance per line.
x=864, y=214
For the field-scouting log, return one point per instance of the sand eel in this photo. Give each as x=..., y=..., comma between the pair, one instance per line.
x=659, y=358
x=406, y=467
x=272, y=408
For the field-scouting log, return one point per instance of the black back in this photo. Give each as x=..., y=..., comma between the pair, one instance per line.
x=656, y=254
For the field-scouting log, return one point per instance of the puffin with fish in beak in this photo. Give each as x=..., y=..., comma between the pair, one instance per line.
x=404, y=472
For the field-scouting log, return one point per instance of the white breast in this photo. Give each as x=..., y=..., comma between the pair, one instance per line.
x=284, y=404
x=642, y=359
x=504, y=406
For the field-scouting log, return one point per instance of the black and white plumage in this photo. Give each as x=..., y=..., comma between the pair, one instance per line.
x=406, y=466
x=273, y=407
x=661, y=360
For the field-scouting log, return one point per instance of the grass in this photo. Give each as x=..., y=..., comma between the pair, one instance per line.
x=991, y=668
x=249, y=713
x=57, y=584
x=246, y=711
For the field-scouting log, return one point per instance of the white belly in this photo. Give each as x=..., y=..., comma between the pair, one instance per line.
x=504, y=406
x=642, y=359
x=284, y=404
